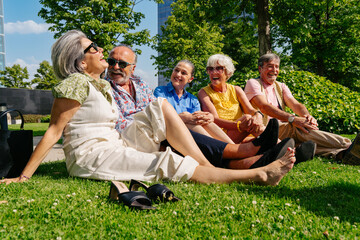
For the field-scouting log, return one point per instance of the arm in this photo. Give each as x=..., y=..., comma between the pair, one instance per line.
x=62, y=111
x=300, y=110
x=272, y=111
x=256, y=119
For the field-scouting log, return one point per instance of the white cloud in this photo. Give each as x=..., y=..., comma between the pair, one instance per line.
x=32, y=67
x=148, y=76
x=27, y=27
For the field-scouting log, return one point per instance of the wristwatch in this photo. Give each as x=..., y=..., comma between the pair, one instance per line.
x=291, y=119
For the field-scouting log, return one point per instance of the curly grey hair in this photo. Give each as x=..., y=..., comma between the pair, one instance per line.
x=222, y=60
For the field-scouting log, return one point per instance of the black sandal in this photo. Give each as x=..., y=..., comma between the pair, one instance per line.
x=268, y=139
x=132, y=199
x=155, y=192
x=275, y=153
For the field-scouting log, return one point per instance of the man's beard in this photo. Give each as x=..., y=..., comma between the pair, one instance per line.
x=121, y=81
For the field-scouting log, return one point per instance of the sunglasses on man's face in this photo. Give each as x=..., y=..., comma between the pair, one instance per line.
x=92, y=45
x=122, y=64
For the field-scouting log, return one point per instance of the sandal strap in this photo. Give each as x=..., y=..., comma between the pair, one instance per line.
x=161, y=192
x=135, y=199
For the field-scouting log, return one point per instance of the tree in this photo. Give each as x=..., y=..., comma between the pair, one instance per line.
x=186, y=35
x=45, y=77
x=321, y=36
x=14, y=77
x=199, y=28
x=106, y=22
x=262, y=7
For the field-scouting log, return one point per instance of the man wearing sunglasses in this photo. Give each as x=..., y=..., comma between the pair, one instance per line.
x=131, y=93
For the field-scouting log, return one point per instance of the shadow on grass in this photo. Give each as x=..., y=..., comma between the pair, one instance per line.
x=338, y=199
x=55, y=170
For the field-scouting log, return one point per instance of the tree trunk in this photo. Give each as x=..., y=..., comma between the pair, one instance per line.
x=263, y=26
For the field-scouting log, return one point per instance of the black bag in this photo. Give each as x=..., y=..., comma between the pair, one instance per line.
x=16, y=148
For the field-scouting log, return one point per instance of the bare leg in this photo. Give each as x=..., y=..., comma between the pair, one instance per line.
x=239, y=151
x=179, y=136
x=216, y=132
x=198, y=129
x=243, y=163
x=268, y=175
x=237, y=136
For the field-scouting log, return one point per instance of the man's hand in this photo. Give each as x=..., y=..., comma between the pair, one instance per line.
x=305, y=124
x=310, y=119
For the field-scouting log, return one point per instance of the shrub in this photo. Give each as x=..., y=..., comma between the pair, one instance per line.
x=335, y=107
x=32, y=118
x=45, y=119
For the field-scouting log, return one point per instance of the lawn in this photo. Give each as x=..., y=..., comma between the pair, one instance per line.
x=39, y=129
x=317, y=199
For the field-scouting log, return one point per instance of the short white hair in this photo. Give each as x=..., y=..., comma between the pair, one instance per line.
x=222, y=60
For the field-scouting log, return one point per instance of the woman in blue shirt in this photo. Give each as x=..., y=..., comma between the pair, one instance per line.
x=187, y=105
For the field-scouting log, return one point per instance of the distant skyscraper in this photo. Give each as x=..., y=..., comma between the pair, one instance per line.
x=164, y=11
x=2, y=38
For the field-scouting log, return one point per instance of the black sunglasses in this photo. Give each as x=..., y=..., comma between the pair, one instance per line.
x=92, y=45
x=122, y=64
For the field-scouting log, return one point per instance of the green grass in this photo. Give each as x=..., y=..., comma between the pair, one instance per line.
x=315, y=197
x=39, y=129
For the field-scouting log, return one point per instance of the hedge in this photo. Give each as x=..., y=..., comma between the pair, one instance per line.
x=335, y=107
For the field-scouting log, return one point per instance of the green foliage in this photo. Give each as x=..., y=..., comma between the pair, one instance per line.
x=187, y=35
x=106, y=22
x=14, y=77
x=32, y=118
x=336, y=108
x=321, y=37
x=45, y=77
x=198, y=29
x=45, y=119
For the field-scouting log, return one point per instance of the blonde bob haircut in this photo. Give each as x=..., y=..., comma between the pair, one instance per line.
x=67, y=54
x=222, y=60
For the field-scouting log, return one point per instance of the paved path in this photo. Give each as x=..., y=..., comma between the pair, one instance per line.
x=56, y=153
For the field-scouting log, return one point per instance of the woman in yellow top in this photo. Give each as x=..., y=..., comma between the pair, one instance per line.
x=228, y=103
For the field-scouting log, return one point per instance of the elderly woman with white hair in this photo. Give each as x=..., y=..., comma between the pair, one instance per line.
x=228, y=103
x=85, y=112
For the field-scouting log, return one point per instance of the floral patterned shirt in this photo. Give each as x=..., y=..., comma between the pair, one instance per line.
x=127, y=105
x=76, y=87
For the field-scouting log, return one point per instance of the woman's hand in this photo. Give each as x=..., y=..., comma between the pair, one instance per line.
x=251, y=124
x=257, y=125
x=203, y=118
x=12, y=180
x=197, y=118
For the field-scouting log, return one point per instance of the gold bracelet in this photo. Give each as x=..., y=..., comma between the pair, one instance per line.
x=238, y=126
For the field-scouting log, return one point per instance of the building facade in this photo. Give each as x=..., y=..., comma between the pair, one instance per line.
x=2, y=37
x=164, y=11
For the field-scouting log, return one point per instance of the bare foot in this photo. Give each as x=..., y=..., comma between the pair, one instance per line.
x=276, y=170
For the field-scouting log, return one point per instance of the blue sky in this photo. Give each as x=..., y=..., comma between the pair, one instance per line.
x=28, y=42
